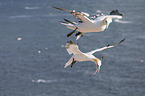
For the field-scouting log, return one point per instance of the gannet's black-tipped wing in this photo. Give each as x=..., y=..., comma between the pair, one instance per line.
x=69, y=34
x=69, y=62
x=81, y=16
x=61, y=9
x=108, y=16
x=73, y=23
x=107, y=47
x=115, y=12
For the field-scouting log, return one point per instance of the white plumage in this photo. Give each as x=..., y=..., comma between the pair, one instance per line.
x=80, y=56
x=85, y=24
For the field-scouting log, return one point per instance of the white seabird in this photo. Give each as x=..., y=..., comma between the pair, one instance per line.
x=85, y=24
x=80, y=56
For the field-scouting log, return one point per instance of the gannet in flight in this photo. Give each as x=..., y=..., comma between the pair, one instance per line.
x=80, y=56
x=85, y=24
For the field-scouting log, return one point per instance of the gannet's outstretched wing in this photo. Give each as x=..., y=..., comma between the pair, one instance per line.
x=72, y=48
x=107, y=47
x=101, y=18
x=69, y=62
x=81, y=16
x=114, y=14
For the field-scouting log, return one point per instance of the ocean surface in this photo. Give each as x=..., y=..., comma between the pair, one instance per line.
x=32, y=53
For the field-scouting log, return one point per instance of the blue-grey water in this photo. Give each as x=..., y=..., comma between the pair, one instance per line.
x=32, y=53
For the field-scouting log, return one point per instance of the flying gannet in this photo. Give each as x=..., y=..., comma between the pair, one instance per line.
x=80, y=56
x=85, y=24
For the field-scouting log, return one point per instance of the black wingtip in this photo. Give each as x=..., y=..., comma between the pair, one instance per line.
x=122, y=40
x=108, y=45
x=54, y=7
x=68, y=21
x=73, y=62
x=115, y=12
x=62, y=22
x=78, y=33
x=69, y=34
x=70, y=42
x=102, y=58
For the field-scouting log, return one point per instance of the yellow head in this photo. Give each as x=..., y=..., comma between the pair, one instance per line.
x=98, y=63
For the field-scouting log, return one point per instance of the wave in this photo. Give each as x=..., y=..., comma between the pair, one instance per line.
x=62, y=46
x=31, y=16
x=98, y=11
x=21, y=16
x=31, y=8
x=141, y=37
x=121, y=21
x=43, y=81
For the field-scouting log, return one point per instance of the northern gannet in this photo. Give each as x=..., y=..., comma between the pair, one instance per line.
x=80, y=56
x=85, y=24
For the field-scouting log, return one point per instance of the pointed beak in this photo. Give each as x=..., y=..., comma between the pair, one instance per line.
x=97, y=70
x=98, y=65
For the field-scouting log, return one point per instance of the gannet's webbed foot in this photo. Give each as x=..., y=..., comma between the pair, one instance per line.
x=78, y=35
x=69, y=34
x=73, y=62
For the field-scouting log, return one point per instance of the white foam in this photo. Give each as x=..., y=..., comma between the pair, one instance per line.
x=98, y=11
x=62, y=46
x=43, y=81
x=31, y=8
x=19, y=38
x=20, y=16
x=46, y=48
x=39, y=51
x=141, y=36
x=141, y=61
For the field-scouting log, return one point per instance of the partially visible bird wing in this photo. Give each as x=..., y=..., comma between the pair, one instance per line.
x=114, y=16
x=61, y=9
x=69, y=62
x=110, y=16
x=107, y=47
x=81, y=16
x=72, y=48
x=115, y=12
